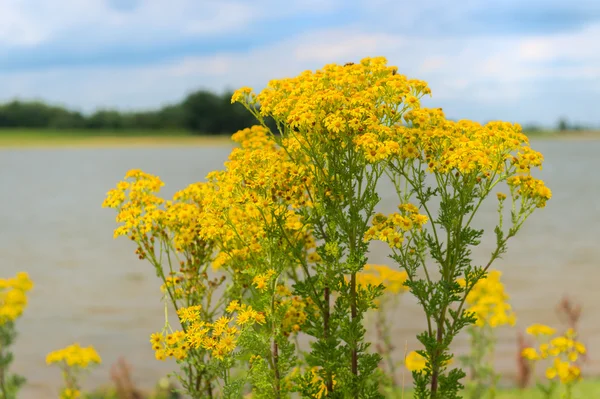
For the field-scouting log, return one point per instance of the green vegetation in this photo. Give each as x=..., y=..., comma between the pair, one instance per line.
x=200, y=112
x=585, y=389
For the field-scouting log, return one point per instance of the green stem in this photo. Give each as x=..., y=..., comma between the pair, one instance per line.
x=354, y=315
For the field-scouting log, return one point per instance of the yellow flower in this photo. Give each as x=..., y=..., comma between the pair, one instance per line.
x=233, y=306
x=189, y=314
x=414, y=361
x=392, y=280
x=539, y=329
x=530, y=353
x=74, y=356
x=69, y=393
x=260, y=281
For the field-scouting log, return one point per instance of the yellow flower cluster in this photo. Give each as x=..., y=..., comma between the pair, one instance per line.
x=173, y=284
x=364, y=103
x=392, y=228
x=488, y=301
x=138, y=205
x=393, y=280
x=529, y=189
x=564, y=349
x=13, y=298
x=261, y=280
x=337, y=104
x=319, y=384
x=295, y=314
x=539, y=330
x=69, y=393
x=218, y=337
x=375, y=150
x=416, y=362
x=258, y=191
x=464, y=146
x=142, y=212
x=74, y=356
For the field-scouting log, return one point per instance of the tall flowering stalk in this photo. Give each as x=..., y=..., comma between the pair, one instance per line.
x=455, y=165
x=327, y=118
x=241, y=221
x=563, y=351
x=13, y=301
x=287, y=226
x=73, y=361
x=489, y=303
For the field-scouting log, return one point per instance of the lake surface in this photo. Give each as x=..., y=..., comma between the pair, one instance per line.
x=92, y=289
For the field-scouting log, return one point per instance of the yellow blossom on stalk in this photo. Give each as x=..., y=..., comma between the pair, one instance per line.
x=13, y=298
x=563, y=349
x=540, y=329
x=233, y=306
x=564, y=371
x=318, y=383
x=261, y=280
x=189, y=314
x=336, y=103
x=69, y=393
x=74, y=355
x=393, y=280
x=414, y=361
x=529, y=188
x=488, y=301
x=392, y=228
x=259, y=189
x=137, y=203
x=219, y=337
x=71, y=360
x=530, y=353
x=295, y=315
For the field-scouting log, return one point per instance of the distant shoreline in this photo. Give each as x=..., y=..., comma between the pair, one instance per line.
x=27, y=139
x=568, y=135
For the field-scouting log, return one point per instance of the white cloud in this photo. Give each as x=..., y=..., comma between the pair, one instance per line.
x=497, y=73
x=577, y=46
x=325, y=47
x=94, y=22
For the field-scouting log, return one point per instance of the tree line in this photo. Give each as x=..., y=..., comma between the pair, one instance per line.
x=201, y=112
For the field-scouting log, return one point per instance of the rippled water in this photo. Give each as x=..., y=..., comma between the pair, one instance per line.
x=92, y=289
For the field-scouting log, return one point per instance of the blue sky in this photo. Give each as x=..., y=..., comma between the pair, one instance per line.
x=522, y=61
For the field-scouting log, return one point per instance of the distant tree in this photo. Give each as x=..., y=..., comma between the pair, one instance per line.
x=563, y=125
x=105, y=119
x=207, y=113
x=532, y=127
x=201, y=112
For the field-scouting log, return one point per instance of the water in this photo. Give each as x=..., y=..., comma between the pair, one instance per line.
x=93, y=290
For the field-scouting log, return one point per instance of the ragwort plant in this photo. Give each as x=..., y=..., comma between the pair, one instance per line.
x=13, y=301
x=489, y=302
x=288, y=222
x=243, y=221
x=564, y=351
x=330, y=119
x=73, y=361
x=393, y=281
x=348, y=121
x=458, y=164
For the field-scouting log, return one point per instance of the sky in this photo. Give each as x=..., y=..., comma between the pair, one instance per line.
x=515, y=60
